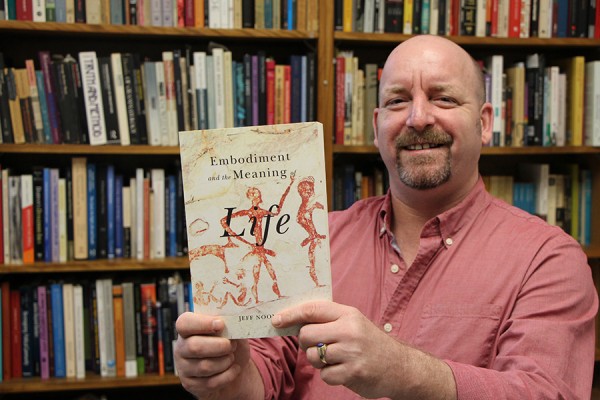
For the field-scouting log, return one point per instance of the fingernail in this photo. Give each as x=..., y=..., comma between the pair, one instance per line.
x=276, y=320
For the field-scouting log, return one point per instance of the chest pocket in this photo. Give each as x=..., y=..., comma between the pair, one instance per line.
x=459, y=332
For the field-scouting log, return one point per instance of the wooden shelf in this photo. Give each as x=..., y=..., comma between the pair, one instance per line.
x=130, y=31
x=84, y=149
x=121, y=264
x=395, y=38
x=487, y=151
x=91, y=382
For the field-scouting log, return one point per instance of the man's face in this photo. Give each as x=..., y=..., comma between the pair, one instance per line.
x=428, y=126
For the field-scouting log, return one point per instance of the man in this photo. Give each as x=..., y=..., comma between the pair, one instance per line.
x=440, y=291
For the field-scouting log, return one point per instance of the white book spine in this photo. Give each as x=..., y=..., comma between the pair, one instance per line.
x=5, y=216
x=158, y=214
x=162, y=103
x=151, y=104
x=592, y=103
x=214, y=14
x=133, y=213
x=219, y=88
x=201, y=87
x=39, y=11
x=92, y=95
x=120, y=102
x=139, y=178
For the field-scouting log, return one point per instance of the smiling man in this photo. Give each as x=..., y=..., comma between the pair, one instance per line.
x=440, y=290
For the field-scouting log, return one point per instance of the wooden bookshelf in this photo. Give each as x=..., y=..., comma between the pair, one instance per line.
x=22, y=39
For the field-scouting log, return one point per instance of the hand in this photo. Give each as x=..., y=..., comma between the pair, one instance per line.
x=212, y=367
x=362, y=357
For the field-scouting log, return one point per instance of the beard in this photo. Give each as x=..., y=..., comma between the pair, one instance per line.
x=426, y=171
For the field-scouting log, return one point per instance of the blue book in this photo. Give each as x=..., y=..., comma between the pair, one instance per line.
x=585, y=209
x=110, y=211
x=119, y=244
x=47, y=215
x=91, y=201
x=58, y=333
x=60, y=7
x=172, y=216
x=291, y=14
x=39, y=76
x=55, y=217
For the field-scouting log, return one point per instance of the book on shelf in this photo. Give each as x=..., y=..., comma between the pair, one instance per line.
x=225, y=182
x=90, y=76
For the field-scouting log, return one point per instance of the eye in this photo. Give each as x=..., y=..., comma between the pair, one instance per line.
x=395, y=102
x=445, y=101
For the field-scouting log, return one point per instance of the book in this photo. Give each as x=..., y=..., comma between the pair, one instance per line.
x=90, y=74
x=286, y=235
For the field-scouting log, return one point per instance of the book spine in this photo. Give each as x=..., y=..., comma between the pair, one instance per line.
x=92, y=92
x=27, y=221
x=43, y=323
x=58, y=332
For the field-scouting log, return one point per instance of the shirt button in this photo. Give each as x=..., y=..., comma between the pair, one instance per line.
x=449, y=241
x=394, y=268
x=387, y=327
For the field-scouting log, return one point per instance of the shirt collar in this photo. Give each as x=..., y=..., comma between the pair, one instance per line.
x=447, y=223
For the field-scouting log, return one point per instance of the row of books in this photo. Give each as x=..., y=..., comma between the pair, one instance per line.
x=118, y=99
x=352, y=183
x=90, y=211
x=536, y=103
x=482, y=18
x=560, y=195
x=104, y=326
x=237, y=14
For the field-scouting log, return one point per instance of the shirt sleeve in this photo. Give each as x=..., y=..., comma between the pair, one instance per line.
x=275, y=359
x=545, y=349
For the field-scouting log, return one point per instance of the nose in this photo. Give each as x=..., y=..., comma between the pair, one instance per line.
x=420, y=114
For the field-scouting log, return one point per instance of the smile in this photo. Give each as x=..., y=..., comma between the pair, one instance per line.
x=423, y=146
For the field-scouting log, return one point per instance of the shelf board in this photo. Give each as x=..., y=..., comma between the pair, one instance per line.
x=84, y=149
x=121, y=264
x=59, y=29
x=91, y=382
x=487, y=151
x=395, y=38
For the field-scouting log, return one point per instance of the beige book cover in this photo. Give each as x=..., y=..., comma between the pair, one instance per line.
x=256, y=215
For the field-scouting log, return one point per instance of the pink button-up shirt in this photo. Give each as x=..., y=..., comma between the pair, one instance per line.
x=507, y=300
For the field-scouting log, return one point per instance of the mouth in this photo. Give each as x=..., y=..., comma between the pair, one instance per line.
x=423, y=146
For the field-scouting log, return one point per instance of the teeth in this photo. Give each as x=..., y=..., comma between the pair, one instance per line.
x=420, y=146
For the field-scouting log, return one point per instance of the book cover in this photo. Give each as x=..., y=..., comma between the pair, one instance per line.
x=256, y=222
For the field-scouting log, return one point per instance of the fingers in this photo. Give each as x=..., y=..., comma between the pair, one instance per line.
x=189, y=324
x=315, y=312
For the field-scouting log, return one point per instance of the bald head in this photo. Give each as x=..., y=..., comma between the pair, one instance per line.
x=430, y=49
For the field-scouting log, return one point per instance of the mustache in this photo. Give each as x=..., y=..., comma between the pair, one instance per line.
x=429, y=135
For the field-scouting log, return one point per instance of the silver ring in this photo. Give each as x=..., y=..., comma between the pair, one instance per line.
x=322, y=351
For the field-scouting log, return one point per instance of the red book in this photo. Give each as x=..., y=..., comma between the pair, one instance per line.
x=189, y=13
x=6, y=345
x=24, y=10
x=27, y=228
x=15, y=334
x=270, y=74
x=514, y=18
x=597, y=23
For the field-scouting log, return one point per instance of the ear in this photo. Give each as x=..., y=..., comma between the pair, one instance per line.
x=375, y=133
x=486, y=116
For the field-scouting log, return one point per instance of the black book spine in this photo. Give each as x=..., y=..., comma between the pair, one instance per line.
x=262, y=89
x=394, y=14
x=247, y=13
x=177, y=72
x=108, y=101
x=129, y=85
x=38, y=213
x=5, y=122
x=138, y=96
x=102, y=211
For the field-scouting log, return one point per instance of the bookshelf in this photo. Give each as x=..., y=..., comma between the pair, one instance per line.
x=26, y=38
